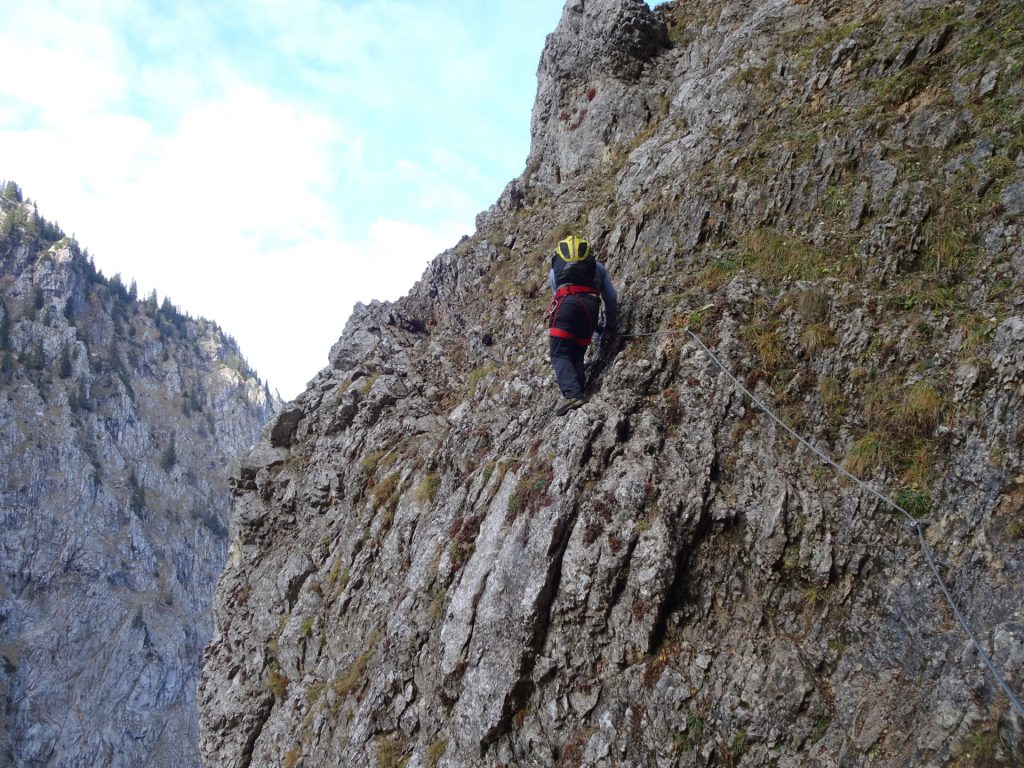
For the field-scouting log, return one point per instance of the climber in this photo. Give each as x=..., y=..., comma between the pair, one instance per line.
x=577, y=280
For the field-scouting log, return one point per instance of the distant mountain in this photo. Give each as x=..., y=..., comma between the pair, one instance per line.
x=118, y=416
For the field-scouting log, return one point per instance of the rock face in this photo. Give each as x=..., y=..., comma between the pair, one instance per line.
x=587, y=95
x=117, y=418
x=430, y=570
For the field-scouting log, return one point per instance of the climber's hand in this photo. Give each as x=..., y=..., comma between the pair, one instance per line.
x=605, y=342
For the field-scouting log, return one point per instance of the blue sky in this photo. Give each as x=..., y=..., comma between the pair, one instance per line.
x=268, y=163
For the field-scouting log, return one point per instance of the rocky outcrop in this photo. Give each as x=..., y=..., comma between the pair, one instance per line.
x=431, y=570
x=587, y=95
x=117, y=418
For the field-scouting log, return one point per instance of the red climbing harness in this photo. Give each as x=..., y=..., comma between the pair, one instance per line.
x=572, y=290
x=560, y=295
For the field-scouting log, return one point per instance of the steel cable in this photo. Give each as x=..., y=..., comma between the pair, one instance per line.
x=912, y=522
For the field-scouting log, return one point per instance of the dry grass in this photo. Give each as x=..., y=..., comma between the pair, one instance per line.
x=831, y=390
x=920, y=408
x=815, y=338
x=813, y=304
x=872, y=451
x=770, y=349
x=776, y=256
x=949, y=242
x=530, y=493
x=919, y=467
x=901, y=421
x=461, y=552
x=426, y=491
x=391, y=753
x=977, y=331
x=912, y=411
x=476, y=376
x=370, y=463
x=813, y=595
x=435, y=752
x=386, y=493
x=338, y=577
x=352, y=679
x=277, y=683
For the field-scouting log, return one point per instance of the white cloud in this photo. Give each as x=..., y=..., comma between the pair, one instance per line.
x=57, y=63
x=440, y=188
x=250, y=164
x=308, y=291
x=240, y=157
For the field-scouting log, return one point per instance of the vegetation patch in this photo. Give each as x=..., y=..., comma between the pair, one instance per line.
x=337, y=578
x=370, y=464
x=870, y=452
x=777, y=256
x=812, y=304
x=716, y=273
x=316, y=691
x=773, y=256
x=986, y=746
x=277, y=682
x=831, y=390
x=530, y=493
x=901, y=422
x=435, y=752
x=386, y=493
x=695, y=734
x=769, y=345
x=815, y=338
x=352, y=679
x=463, y=532
x=391, y=753
x=977, y=330
x=915, y=501
x=673, y=406
x=1015, y=530
x=820, y=728
x=919, y=409
x=950, y=245
x=731, y=751
x=656, y=666
x=437, y=605
x=476, y=376
x=291, y=757
x=426, y=491
x=571, y=753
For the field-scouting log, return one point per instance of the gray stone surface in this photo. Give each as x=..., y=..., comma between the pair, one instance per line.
x=441, y=573
x=587, y=99
x=1013, y=198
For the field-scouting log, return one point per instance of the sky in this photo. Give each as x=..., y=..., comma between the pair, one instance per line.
x=268, y=163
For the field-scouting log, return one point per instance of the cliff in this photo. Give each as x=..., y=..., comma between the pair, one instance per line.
x=428, y=569
x=117, y=419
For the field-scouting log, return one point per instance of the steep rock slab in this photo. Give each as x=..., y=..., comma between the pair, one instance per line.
x=664, y=577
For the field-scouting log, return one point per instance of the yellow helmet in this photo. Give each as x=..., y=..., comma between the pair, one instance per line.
x=573, y=249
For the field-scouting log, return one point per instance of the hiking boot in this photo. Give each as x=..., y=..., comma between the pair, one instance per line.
x=567, y=405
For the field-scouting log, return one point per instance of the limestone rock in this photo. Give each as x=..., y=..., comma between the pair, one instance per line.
x=585, y=103
x=443, y=574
